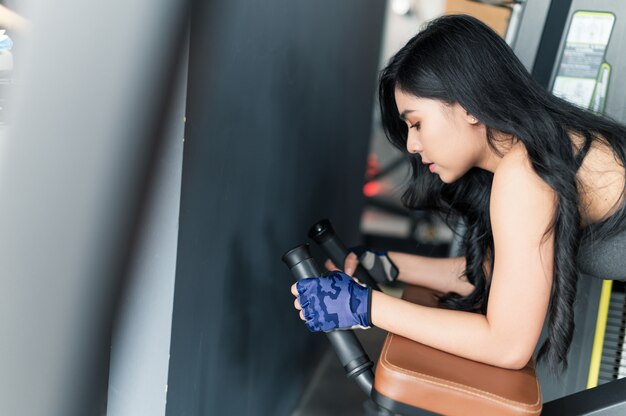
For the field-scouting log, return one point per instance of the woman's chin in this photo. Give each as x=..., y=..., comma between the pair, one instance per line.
x=447, y=178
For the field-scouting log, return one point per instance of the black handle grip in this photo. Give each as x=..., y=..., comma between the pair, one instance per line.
x=323, y=234
x=351, y=354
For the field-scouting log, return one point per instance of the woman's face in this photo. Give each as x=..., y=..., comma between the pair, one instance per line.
x=447, y=138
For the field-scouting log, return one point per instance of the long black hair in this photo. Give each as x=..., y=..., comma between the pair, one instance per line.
x=458, y=59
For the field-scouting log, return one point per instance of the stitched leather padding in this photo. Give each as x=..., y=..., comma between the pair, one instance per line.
x=420, y=376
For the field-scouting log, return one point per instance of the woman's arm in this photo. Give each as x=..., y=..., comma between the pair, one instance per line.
x=440, y=274
x=522, y=208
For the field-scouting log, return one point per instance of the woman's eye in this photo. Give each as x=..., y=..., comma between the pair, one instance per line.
x=416, y=126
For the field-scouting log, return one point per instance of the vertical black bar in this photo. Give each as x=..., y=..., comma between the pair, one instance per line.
x=550, y=40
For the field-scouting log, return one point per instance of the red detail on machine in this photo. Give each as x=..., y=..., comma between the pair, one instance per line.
x=371, y=188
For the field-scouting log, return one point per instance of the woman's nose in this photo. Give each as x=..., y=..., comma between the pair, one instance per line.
x=413, y=145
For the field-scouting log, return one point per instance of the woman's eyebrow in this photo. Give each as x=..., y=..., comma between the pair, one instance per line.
x=404, y=114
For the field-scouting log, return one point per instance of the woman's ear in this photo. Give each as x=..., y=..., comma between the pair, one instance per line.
x=471, y=119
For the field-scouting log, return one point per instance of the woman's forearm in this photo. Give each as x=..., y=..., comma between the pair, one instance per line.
x=465, y=334
x=440, y=274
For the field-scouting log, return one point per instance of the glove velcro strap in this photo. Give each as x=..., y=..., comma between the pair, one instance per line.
x=380, y=267
x=369, y=306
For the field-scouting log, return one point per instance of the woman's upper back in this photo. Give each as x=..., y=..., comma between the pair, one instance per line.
x=601, y=188
x=601, y=184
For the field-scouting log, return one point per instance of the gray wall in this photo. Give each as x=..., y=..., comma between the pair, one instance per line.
x=279, y=109
x=141, y=333
x=72, y=173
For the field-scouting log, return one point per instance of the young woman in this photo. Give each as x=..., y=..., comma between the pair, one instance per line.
x=537, y=181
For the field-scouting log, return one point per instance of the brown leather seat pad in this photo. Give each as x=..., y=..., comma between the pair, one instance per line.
x=420, y=376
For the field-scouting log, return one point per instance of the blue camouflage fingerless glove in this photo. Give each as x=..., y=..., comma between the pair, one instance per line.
x=377, y=263
x=335, y=301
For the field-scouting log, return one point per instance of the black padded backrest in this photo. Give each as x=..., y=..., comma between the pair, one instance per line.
x=604, y=259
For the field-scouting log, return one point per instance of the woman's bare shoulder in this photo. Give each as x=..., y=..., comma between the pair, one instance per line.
x=516, y=185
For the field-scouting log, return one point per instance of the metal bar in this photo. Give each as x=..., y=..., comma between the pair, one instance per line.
x=606, y=400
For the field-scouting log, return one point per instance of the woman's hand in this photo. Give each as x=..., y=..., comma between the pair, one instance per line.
x=332, y=302
x=377, y=263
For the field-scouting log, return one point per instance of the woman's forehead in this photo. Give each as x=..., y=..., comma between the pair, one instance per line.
x=409, y=103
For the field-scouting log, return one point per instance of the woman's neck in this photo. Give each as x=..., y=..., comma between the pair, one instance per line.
x=490, y=158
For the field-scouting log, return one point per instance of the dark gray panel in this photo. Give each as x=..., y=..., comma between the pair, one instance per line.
x=278, y=125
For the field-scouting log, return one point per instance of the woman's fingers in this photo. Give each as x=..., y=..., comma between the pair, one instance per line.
x=330, y=265
x=350, y=264
x=296, y=302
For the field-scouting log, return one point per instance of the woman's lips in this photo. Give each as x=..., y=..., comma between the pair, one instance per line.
x=431, y=165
